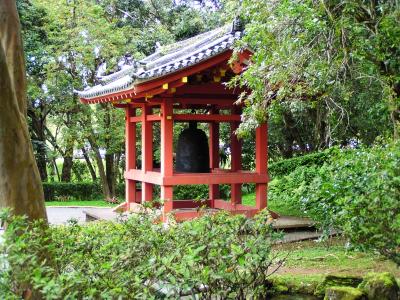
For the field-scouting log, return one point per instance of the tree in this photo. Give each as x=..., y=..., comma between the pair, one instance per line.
x=33, y=20
x=326, y=68
x=20, y=184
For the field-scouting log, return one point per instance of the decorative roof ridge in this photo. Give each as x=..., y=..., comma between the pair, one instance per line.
x=182, y=43
x=177, y=56
x=125, y=69
x=192, y=57
x=119, y=84
x=186, y=45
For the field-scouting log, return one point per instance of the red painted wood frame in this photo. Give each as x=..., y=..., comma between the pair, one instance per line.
x=167, y=178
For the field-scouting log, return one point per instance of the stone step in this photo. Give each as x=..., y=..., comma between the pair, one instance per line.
x=290, y=223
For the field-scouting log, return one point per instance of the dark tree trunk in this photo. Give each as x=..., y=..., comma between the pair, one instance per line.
x=89, y=164
x=103, y=178
x=110, y=174
x=321, y=128
x=39, y=136
x=117, y=172
x=67, y=165
x=41, y=160
x=56, y=169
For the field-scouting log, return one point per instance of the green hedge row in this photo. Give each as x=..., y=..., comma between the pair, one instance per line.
x=286, y=166
x=63, y=191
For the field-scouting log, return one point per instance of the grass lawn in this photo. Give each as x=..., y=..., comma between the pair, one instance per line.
x=97, y=203
x=281, y=208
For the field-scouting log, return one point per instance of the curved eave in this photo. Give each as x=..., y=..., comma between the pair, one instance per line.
x=141, y=88
x=129, y=78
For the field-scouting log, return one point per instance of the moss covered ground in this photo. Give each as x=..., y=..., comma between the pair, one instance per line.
x=307, y=263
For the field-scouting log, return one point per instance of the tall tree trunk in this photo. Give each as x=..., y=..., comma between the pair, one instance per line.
x=89, y=164
x=41, y=160
x=66, y=171
x=110, y=174
x=39, y=135
x=67, y=165
x=20, y=184
x=56, y=169
x=102, y=173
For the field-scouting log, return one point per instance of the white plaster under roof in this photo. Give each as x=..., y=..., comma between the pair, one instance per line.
x=167, y=59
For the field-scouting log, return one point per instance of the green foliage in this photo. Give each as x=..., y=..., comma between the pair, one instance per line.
x=65, y=191
x=199, y=191
x=355, y=191
x=136, y=258
x=359, y=193
x=323, y=71
x=287, y=166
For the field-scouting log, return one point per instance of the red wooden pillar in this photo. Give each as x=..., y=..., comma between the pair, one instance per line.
x=167, y=168
x=214, y=156
x=236, y=160
x=261, y=164
x=130, y=154
x=147, y=152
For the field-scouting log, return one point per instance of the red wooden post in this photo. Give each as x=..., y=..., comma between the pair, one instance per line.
x=236, y=160
x=167, y=167
x=147, y=152
x=214, y=156
x=261, y=164
x=130, y=153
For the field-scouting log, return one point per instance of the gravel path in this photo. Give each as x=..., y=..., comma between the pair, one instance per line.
x=61, y=215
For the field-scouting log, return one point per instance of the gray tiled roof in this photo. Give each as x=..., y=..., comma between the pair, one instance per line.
x=167, y=59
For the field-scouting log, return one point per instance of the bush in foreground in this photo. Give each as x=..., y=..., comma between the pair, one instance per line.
x=217, y=255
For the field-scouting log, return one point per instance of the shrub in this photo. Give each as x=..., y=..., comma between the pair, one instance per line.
x=198, y=192
x=355, y=191
x=359, y=193
x=287, y=166
x=136, y=258
x=77, y=191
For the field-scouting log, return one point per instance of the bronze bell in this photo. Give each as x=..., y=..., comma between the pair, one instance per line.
x=192, y=155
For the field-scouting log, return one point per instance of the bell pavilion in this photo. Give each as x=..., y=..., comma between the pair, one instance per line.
x=184, y=82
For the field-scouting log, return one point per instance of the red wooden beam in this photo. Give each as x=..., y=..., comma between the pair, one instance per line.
x=130, y=150
x=136, y=119
x=190, y=203
x=206, y=118
x=236, y=158
x=167, y=138
x=214, y=155
x=207, y=89
x=149, y=118
x=215, y=178
x=205, y=101
x=153, y=118
x=147, y=152
x=149, y=176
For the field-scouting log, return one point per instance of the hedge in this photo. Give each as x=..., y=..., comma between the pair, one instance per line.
x=286, y=166
x=56, y=191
